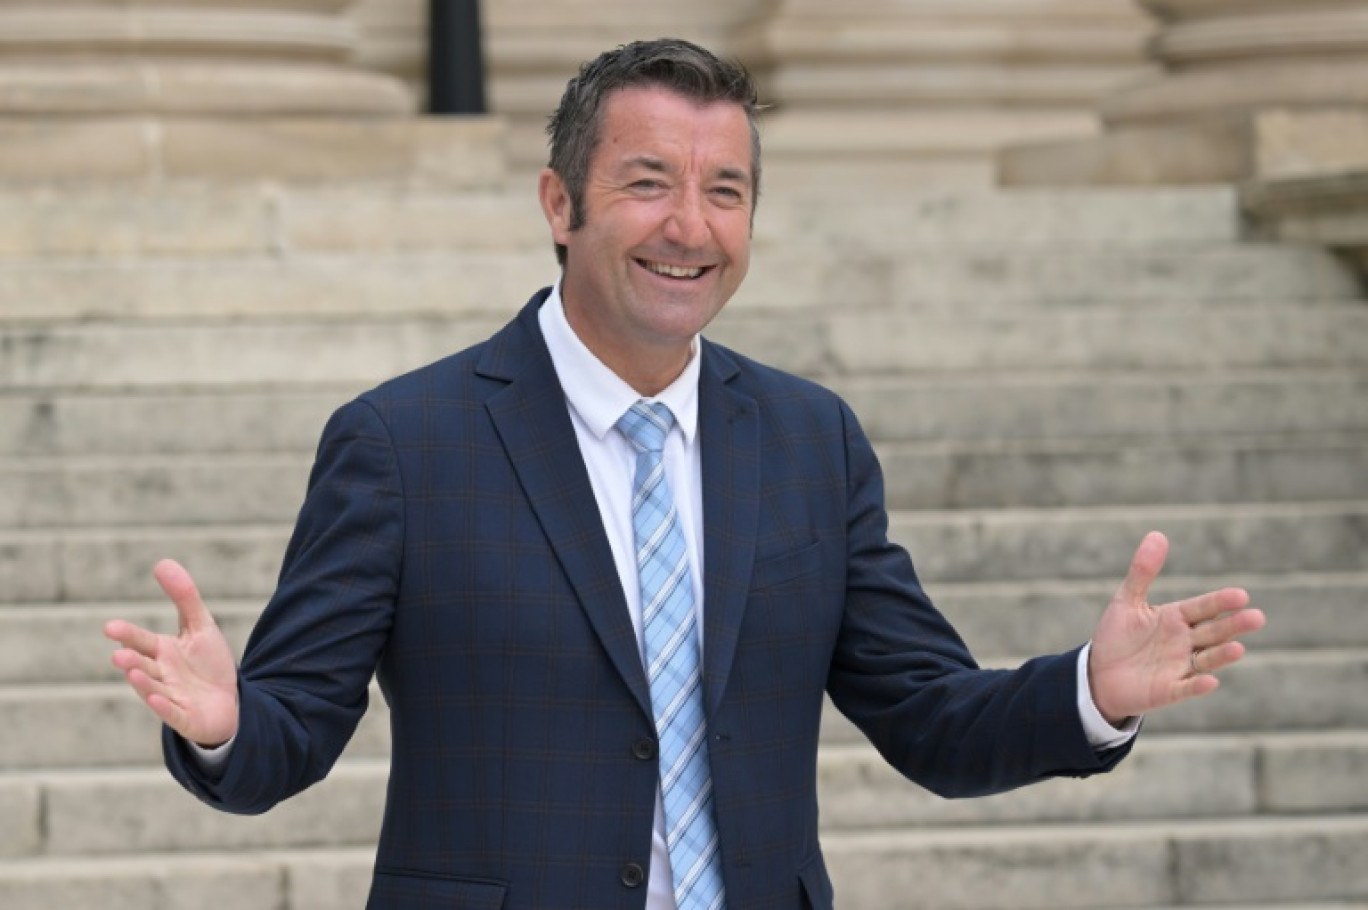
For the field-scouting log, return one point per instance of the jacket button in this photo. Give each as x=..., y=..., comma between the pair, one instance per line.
x=644, y=748
x=633, y=875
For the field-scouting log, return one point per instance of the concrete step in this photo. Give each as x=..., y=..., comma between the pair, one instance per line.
x=121, y=490
x=1001, y=409
x=1011, y=406
x=1269, y=691
x=1279, y=864
x=241, y=561
x=1305, y=610
x=294, y=880
x=1022, y=544
x=140, y=355
x=183, y=220
x=61, y=642
x=104, y=724
x=487, y=282
x=1310, y=859
x=1165, y=777
x=1083, y=472
x=88, y=812
x=900, y=220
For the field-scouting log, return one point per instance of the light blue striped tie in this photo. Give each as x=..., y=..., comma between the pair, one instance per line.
x=673, y=666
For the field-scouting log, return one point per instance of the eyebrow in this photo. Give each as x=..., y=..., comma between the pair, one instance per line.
x=655, y=165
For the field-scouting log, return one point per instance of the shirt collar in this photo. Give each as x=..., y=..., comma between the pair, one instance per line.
x=597, y=394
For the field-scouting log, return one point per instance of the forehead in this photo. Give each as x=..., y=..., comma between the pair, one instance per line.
x=658, y=122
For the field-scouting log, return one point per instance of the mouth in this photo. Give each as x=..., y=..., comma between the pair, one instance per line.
x=676, y=272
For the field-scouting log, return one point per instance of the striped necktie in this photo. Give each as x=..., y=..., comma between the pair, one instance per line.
x=673, y=666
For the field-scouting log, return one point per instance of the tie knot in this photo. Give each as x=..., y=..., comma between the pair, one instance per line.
x=645, y=425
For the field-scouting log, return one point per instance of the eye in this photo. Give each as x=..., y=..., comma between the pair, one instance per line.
x=730, y=194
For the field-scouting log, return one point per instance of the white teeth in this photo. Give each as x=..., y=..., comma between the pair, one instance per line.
x=672, y=271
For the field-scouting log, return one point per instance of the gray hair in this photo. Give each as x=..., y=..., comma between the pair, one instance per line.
x=671, y=63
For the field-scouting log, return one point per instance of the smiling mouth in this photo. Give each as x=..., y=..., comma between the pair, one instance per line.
x=673, y=271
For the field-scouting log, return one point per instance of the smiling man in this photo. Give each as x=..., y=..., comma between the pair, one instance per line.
x=605, y=571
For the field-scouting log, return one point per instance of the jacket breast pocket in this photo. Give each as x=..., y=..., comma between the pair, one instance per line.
x=776, y=570
x=401, y=891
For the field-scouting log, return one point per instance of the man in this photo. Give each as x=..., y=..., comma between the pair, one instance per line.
x=605, y=570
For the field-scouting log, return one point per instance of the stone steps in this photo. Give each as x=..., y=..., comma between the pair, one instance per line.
x=1002, y=408
x=105, y=222
x=1280, y=864
x=123, y=490
x=484, y=282
x=102, y=725
x=949, y=546
x=56, y=355
x=87, y=811
x=1307, y=611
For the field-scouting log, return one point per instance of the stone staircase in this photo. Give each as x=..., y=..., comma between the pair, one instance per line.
x=1046, y=375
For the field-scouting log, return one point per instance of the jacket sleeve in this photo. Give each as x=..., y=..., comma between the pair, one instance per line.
x=304, y=676
x=903, y=675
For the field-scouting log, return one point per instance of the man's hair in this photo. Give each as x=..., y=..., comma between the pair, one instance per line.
x=670, y=63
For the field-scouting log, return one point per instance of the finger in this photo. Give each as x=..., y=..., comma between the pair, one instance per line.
x=1145, y=567
x=1226, y=627
x=180, y=587
x=145, y=685
x=133, y=637
x=127, y=659
x=1206, y=607
x=1210, y=660
x=171, y=714
x=1196, y=687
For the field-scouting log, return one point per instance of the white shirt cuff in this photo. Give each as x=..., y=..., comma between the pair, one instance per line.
x=1101, y=735
x=211, y=761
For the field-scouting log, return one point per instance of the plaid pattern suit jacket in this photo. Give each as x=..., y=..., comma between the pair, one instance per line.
x=451, y=544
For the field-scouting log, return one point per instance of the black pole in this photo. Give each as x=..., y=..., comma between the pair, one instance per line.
x=455, y=58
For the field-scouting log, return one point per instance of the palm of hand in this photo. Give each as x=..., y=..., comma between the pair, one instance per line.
x=189, y=680
x=1145, y=657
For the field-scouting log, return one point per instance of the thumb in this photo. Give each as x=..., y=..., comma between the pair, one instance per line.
x=1144, y=568
x=180, y=587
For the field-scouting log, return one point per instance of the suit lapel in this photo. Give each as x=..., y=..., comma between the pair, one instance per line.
x=533, y=422
x=729, y=434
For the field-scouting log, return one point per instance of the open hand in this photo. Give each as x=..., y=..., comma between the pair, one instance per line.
x=1145, y=657
x=189, y=680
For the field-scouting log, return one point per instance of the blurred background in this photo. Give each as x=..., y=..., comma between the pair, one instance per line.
x=1084, y=268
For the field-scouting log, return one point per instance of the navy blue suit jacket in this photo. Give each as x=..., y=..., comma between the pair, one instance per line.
x=450, y=542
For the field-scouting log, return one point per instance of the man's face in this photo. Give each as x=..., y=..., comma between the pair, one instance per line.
x=666, y=234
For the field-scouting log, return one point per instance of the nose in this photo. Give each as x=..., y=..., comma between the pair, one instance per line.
x=686, y=224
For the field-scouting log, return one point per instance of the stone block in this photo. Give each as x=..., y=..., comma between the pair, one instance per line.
x=1279, y=690
x=1001, y=619
x=29, y=568
x=106, y=726
x=1084, y=473
x=1165, y=779
x=1026, y=406
x=51, y=644
x=371, y=222
x=109, y=222
x=1310, y=143
x=1276, y=860
x=21, y=808
x=329, y=879
x=57, y=149
x=146, y=812
x=167, y=423
x=440, y=153
x=1214, y=151
x=121, y=491
x=1091, y=543
x=1002, y=869
x=1316, y=772
x=142, y=883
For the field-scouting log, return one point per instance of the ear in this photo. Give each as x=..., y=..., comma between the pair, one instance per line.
x=555, y=203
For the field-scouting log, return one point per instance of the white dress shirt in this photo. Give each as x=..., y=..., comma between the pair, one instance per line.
x=597, y=397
